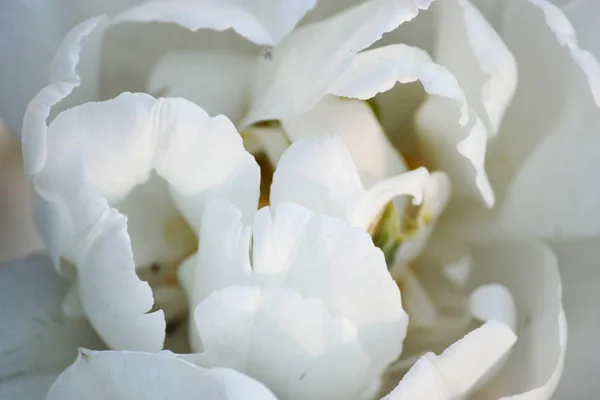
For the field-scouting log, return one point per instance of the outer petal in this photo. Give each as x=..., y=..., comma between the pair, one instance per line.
x=454, y=372
x=354, y=121
x=318, y=173
x=31, y=33
x=529, y=271
x=295, y=70
x=284, y=340
x=141, y=376
x=263, y=22
x=64, y=79
x=173, y=136
x=36, y=341
x=545, y=164
x=579, y=272
x=581, y=14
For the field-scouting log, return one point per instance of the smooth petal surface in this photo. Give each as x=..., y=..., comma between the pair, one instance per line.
x=456, y=371
x=319, y=174
x=544, y=165
x=36, y=340
x=529, y=271
x=295, y=71
x=217, y=81
x=141, y=376
x=263, y=22
x=579, y=273
x=355, y=122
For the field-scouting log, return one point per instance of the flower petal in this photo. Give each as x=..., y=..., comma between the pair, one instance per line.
x=295, y=70
x=469, y=47
x=545, y=174
x=374, y=200
x=37, y=341
x=284, y=340
x=322, y=257
x=134, y=376
x=319, y=174
x=265, y=22
x=454, y=372
x=64, y=79
x=378, y=70
x=31, y=32
x=137, y=133
x=529, y=271
x=216, y=81
x=493, y=302
x=354, y=121
x=225, y=243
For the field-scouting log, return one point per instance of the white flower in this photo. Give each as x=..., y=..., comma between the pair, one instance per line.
x=526, y=149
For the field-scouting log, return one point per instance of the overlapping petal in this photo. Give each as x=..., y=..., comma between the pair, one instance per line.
x=294, y=78
x=457, y=370
x=319, y=173
x=200, y=157
x=543, y=166
x=305, y=267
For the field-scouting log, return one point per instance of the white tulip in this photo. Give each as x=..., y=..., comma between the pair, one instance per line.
x=503, y=118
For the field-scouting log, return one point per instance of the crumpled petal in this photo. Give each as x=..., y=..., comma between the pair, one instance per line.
x=354, y=121
x=295, y=78
x=140, y=376
x=262, y=22
x=36, y=341
x=137, y=134
x=529, y=271
x=308, y=265
x=543, y=166
x=454, y=372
